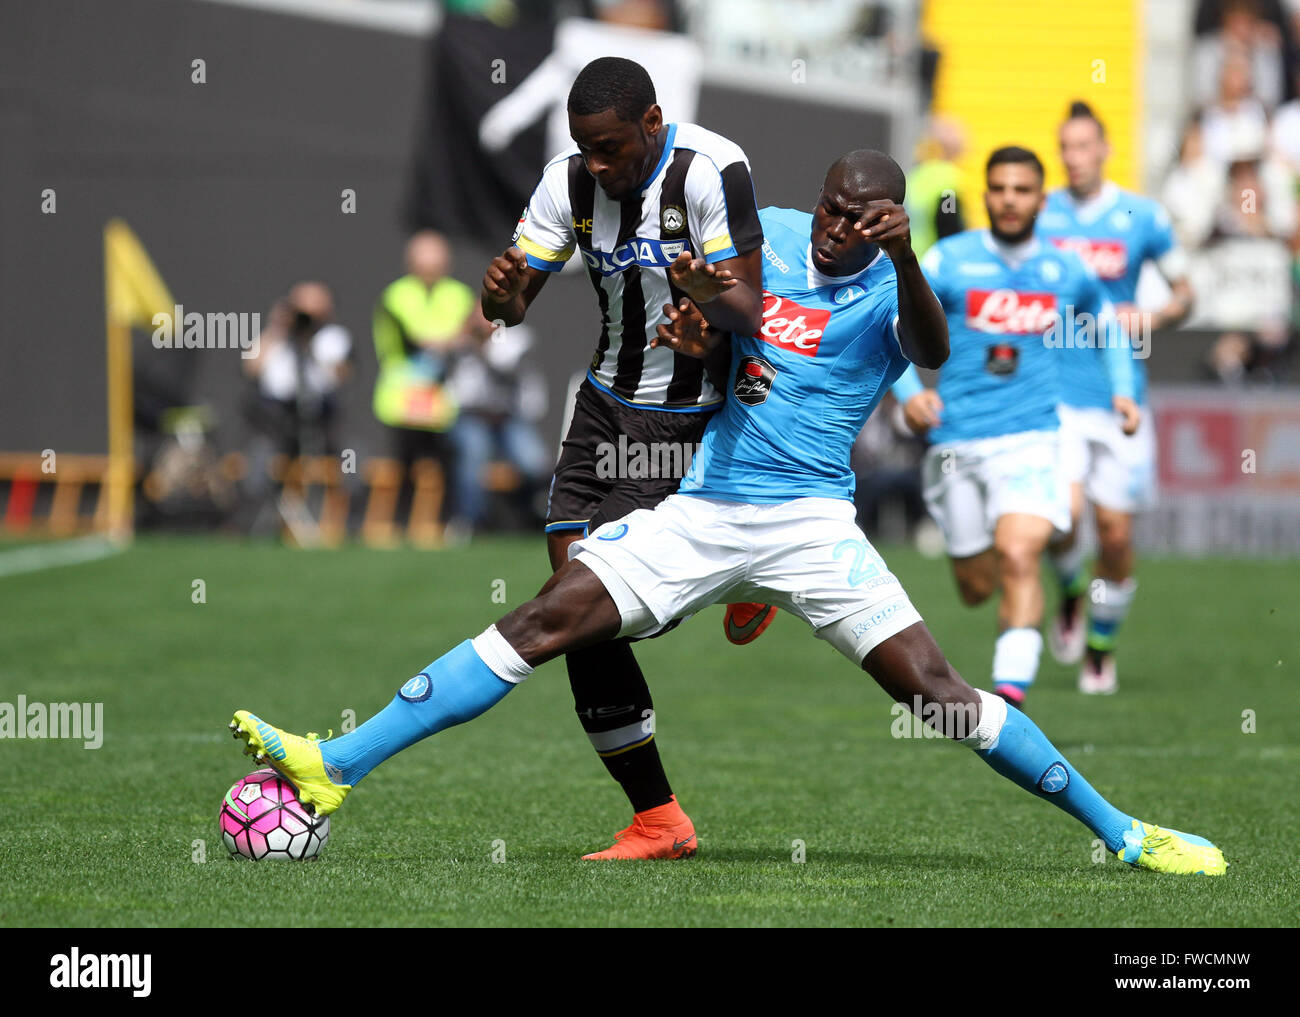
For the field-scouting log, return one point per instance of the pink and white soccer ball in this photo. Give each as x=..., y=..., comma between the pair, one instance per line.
x=262, y=817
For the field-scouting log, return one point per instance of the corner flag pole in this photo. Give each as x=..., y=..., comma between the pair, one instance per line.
x=133, y=294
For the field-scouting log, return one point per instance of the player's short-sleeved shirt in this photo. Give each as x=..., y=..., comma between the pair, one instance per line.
x=1001, y=376
x=699, y=198
x=1114, y=233
x=803, y=387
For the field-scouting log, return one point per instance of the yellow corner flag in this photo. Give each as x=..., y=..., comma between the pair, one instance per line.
x=133, y=294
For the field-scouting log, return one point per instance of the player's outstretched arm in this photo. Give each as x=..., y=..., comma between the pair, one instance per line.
x=686, y=331
x=509, y=286
x=729, y=291
x=922, y=326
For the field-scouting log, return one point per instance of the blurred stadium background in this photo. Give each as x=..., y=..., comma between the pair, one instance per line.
x=250, y=145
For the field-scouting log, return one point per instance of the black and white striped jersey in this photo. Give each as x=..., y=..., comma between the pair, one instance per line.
x=700, y=198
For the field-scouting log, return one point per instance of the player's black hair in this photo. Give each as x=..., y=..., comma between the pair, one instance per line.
x=1080, y=110
x=1014, y=153
x=867, y=170
x=612, y=83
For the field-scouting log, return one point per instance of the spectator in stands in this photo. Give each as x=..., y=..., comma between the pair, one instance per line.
x=1244, y=35
x=502, y=398
x=1237, y=117
x=420, y=321
x=1285, y=136
x=302, y=359
x=1193, y=188
x=1259, y=199
x=934, y=186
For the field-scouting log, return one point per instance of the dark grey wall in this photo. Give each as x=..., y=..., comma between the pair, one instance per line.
x=234, y=188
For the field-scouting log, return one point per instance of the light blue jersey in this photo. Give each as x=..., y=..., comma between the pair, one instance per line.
x=801, y=389
x=1008, y=312
x=1114, y=233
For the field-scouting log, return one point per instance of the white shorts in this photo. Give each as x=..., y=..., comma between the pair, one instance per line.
x=806, y=556
x=1117, y=470
x=969, y=485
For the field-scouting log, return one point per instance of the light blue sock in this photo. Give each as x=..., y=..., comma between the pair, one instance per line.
x=455, y=688
x=1024, y=755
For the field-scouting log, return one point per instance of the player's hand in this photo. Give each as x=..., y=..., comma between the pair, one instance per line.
x=506, y=277
x=886, y=223
x=1130, y=415
x=698, y=279
x=922, y=411
x=686, y=331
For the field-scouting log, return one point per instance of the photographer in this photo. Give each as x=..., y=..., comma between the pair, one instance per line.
x=301, y=361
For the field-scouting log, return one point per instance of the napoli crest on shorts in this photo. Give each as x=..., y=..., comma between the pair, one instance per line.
x=1057, y=778
x=417, y=689
x=617, y=533
x=754, y=379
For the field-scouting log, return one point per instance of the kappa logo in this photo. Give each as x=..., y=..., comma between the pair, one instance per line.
x=791, y=326
x=754, y=379
x=672, y=219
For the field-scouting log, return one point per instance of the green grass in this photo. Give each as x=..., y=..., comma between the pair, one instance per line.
x=767, y=744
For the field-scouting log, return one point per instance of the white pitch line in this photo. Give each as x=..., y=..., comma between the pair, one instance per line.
x=22, y=560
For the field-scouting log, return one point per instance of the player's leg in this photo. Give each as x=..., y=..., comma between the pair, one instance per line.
x=599, y=479
x=612, y=700
x=1110, y=597
x=829, y=574
x=910, y=667
x=572, y=610
x=956, y=498
x=1018, y=542
x=1121, y=484
x=1068, y=626
x=976, y=577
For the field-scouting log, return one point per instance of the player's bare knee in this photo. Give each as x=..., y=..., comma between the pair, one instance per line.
x=1017, y=559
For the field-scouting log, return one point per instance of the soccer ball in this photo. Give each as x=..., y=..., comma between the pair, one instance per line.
x=262, y=817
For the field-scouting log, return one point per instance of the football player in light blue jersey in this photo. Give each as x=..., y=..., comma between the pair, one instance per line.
x=992, y=477
x=769, y=515
x=1116, y=233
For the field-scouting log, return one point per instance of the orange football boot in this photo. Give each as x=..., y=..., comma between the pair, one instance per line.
x=744, y=623
x=662, y=832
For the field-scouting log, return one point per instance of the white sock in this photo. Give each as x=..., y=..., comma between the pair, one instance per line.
x=1015, y=657
x=993, y=714
x=500, y=656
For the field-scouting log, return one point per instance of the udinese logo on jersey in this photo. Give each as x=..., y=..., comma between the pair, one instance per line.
x=672, y=219
x=754, y=377
x=791, y=326
x=1108, y=258
x=1009, y=312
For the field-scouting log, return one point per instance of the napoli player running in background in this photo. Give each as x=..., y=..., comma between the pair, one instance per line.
x=632, y=197
x=1114, y=232
x=992, y=477
x=765, y=512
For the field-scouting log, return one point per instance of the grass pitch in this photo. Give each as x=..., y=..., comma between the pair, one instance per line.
x=777, y=750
